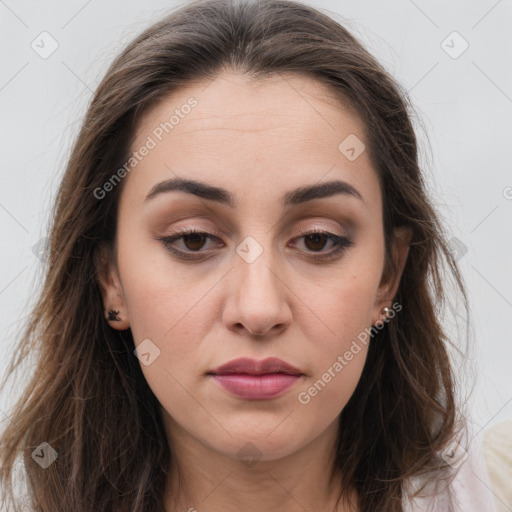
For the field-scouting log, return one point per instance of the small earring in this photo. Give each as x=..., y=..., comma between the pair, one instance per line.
x=385, y=312
x=112, y=316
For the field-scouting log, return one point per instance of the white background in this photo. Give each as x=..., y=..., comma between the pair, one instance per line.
x=465, y=104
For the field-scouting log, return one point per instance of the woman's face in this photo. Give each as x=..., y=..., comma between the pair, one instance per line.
x=255, y=285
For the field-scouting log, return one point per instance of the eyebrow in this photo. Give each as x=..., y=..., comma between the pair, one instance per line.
x=220, y=195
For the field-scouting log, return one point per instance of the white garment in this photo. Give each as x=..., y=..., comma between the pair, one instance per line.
x=497, y=449
x=469, y=491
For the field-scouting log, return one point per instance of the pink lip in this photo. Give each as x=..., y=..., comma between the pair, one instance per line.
x=256, y=380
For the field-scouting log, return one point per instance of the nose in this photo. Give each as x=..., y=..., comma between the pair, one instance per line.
x=257, y=301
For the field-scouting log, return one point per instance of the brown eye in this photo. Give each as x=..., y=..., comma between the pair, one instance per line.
x=194, y=241
x=316, y=241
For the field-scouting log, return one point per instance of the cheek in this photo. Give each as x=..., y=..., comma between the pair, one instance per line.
x=327, y=392
x=344, y=296
x=345, y=307
x=170, y=308
x=163, y=297
x=344, y=303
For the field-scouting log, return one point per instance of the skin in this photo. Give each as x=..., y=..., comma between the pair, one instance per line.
x=258, y=140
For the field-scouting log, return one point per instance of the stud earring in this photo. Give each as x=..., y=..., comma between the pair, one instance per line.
x=112, y=316
x=384, y=313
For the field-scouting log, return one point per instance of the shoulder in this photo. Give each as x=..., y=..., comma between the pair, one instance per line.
x=497, y=450
x=468, y=488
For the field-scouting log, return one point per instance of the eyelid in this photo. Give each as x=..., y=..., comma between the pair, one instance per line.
x=318, y=229
x=214, y=233
x=168, y=240
x=341, y=243
x=197, y=229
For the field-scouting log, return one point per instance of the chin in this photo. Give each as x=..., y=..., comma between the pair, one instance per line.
x=271, y=442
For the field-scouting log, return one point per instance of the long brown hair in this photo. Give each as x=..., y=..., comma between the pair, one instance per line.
x=88, y=398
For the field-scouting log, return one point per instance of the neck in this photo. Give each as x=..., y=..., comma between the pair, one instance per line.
x=202, y=479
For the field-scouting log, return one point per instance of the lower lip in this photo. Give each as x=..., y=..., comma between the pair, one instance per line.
x=257, y=387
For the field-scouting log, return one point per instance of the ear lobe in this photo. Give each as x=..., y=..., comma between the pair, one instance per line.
x=110, y=286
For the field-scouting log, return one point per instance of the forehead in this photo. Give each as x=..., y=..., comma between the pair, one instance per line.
x=237, y=101
x=260, y=136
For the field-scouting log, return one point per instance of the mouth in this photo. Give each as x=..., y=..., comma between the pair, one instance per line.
x=256, y=380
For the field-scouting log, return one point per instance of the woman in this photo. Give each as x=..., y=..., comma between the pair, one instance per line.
x=242, y=301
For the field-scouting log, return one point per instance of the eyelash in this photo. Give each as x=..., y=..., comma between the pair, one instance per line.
x=341, y=243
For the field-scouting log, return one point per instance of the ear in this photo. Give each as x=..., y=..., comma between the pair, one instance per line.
x=393, y=271
x=110, y=286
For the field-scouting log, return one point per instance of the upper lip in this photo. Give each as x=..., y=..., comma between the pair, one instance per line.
x=254, y=367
